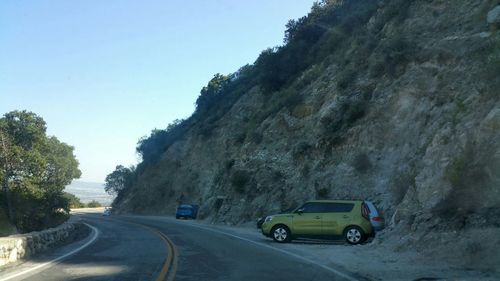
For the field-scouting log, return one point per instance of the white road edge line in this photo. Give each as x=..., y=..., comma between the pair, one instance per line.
x=56, y=260
x=279, y=250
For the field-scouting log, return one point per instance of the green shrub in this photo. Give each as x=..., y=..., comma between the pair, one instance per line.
x=229, y=164
x=239, y=179
x=74, y=202
x=331, y=123
x=400, y=185
x=394, y=10
x=347, y=111
x=366, y=92
x=94, y=204
x=213, y=92
x=291, y=99
x=207, y=130
x=301, y=149
x=306, y=170
x=396, y=51
x=330, y=42
x=377, y=68
x=152, y=147
x=322, y=193
x=278, y=176
x=354, y=110
x=38, y=211
x=6, y=227
x=256, y=137
x=346, y=78
x=455, y=171
x=361, y=163
x=220, y=176
x=240, y=138
x=492, y=68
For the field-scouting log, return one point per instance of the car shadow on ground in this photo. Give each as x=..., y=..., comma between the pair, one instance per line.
x=307, y=241
x=318, y=242
x=304, y=241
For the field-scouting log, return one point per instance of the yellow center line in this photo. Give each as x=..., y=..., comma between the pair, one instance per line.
x=168, y=262
x=171, y=257
x=174, y=256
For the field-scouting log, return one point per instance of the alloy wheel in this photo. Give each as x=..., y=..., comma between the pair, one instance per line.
x=280, y=234
x=353, y=235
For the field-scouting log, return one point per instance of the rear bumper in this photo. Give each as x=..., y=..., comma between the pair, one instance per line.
x=185, y=216
x=377, y=226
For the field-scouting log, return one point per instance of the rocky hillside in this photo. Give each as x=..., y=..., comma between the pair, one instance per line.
x=395, y=101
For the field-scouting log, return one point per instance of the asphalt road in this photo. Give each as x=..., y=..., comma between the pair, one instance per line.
x=136, y=248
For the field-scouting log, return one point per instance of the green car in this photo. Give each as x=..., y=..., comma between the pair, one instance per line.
x=322, y=219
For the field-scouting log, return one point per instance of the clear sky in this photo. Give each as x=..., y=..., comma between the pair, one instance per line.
x=102, y=74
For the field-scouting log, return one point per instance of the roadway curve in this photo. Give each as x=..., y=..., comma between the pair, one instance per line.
x=137, y=248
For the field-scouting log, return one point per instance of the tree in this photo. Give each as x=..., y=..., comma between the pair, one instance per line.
x=34, y=169
x=74, y=202
x=26, y=129
x=118, y=180
x=20, y=131
x=61, y=166
x=211, y=93
x=8, y=161
x=94, y=204
x=292, y=27
x=151, y=148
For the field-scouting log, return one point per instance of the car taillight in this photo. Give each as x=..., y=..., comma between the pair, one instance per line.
x=377, y=219
x=365, y=212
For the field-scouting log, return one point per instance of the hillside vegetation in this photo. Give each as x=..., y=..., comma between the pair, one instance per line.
x=34, y=169
x=395, y=101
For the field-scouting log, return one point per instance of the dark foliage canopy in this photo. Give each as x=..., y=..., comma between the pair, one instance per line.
x=34, y=169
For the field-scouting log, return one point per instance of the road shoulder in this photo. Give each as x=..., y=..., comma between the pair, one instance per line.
x=374, y=260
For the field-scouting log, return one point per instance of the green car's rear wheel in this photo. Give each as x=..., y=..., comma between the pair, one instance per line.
x=354, y=235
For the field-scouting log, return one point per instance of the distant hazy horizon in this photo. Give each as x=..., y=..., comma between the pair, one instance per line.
x=88, y=191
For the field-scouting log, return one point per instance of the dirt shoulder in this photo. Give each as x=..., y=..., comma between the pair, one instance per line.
x=383, y=258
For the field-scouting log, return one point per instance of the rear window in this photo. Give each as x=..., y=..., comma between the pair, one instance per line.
x=337, y=207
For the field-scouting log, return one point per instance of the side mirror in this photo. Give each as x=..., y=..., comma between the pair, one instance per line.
x=299, y=211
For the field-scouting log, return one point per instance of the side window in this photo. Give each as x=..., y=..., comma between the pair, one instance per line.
x=338, y=207
x=312, y=208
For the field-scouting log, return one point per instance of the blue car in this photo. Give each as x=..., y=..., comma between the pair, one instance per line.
x=186, y=211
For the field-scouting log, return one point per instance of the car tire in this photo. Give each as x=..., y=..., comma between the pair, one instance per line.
x=281, y=234
x=354, y=235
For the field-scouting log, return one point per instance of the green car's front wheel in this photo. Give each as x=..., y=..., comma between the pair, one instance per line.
x=281, y=234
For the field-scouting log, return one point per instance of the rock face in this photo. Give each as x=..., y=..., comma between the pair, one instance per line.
x=421, y=140
x=494, y=16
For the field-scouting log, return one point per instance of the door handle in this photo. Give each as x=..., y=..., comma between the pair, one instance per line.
x=317, y=217
x=346, y=217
